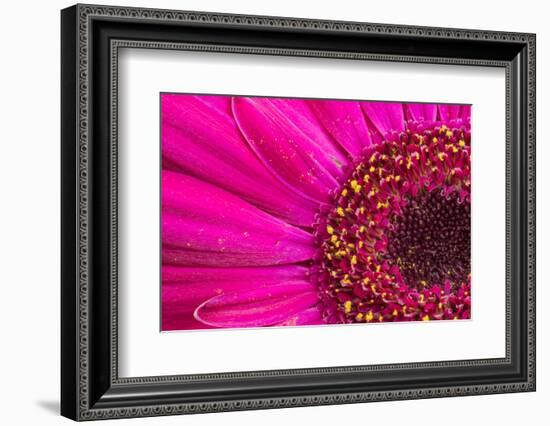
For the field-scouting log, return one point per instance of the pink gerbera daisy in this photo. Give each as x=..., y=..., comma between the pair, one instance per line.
x=293, y=212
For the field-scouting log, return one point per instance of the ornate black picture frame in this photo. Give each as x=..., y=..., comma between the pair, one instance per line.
x=90, y=38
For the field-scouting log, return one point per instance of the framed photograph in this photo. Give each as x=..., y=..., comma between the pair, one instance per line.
x=263, y=212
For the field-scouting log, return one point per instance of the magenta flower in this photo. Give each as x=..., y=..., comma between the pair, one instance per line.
x=293, y=212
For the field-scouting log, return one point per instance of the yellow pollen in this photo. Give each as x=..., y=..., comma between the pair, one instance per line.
x=330, y=229
x=372, y=158
x=360, y=244
x=442, y=156
x=357, y=188
x=347, y=307
x=354, y=260
x=424, y=283
x=378, y=268
x=455, y=149
x=426, y=318
x=397, y=178
x=440, y=306
x=340, y=211
x=421, y=298
x=362, y=228
x=372, y=169
x=333, y=238
x=344, y=192
x=359, y=316
x=366, y=280
x=434, y=140
x=353, y=183
x=449, y=133
x=362, y=210
x=366, y=178
x=461, y=143
x=369, y=316
x=394, y=313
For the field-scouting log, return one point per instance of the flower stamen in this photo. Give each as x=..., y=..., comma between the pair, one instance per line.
x=399, y=232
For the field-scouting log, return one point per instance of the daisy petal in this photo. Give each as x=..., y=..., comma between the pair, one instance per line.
x=203, y=225
x=200, y=138
x=345, y=122
x=386, y=117
x=299, y=112
x=184, y=297
x=268, y=275
x=258, y=307
x=421, y=112
x=311, y=316
x=285, y=149
x=449, y=112
x=195, y=285
x=175, y=318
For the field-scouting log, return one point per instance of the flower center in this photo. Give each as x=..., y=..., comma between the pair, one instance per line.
x=430, y=240
x=395, y=246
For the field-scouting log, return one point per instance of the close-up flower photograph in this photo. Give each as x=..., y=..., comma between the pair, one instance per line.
x=274, y=213
x=313, y=212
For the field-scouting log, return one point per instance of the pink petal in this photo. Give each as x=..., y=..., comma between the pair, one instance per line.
x=222, y=103
x=205, y=225
x=192, y=286
x=311, y=316
x=173, y=318
x=286, y=149
x=345, y=121
x=449, y=112
x=256, y=308
x=386, y=117
x=183, y=299
x=200, y=138
x=268, y=275
x=299, y=112
x=421, y=112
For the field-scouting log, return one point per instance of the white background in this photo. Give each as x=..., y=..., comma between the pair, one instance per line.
x=146, y=352
x=29, y=225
